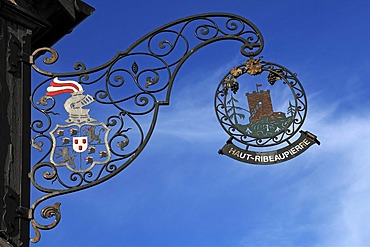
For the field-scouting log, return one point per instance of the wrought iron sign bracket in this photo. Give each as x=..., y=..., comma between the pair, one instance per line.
x=79, y=146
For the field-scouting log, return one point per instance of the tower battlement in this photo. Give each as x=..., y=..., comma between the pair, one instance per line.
x=259, y=92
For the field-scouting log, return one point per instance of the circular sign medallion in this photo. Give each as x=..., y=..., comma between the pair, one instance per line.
x=260, y=104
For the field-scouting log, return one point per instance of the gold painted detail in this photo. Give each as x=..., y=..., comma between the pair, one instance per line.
x=274, y=76
x=37, y=145
x=38, y=235
x=46, y=212
x=47, y=60
x=236, y=72
x=253, y=66
x=43, y=100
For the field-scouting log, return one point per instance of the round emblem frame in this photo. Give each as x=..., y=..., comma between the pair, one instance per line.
x=276, y=74
x=267, y=136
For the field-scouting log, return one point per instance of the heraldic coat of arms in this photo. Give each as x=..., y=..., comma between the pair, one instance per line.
x=82, y=143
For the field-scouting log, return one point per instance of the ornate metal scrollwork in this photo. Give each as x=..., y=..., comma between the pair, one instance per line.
x=112, y=109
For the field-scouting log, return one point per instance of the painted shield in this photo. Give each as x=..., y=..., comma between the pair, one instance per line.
x=80, y=144
x=80, y=147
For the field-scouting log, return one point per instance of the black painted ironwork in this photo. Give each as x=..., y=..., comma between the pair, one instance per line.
x=129, y=89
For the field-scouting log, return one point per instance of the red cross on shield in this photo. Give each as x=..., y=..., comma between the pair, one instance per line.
x=80, y=144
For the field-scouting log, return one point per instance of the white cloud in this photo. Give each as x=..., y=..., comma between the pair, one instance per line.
x=348, y=140
x=327, y=188
x=340, y=184
x=191, y=115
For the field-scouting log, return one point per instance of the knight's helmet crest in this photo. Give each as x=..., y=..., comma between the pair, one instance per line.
x=75, y=104
x=82, y=143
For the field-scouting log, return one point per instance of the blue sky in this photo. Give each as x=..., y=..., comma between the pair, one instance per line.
x=179, y=191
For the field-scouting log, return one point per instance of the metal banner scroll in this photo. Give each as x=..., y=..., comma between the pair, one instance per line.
x=305, y=141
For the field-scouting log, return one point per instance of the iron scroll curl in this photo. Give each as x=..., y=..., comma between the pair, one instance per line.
x=133, y=85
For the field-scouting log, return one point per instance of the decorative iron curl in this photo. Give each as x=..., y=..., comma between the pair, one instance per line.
x=47, y=60
x=46, y=213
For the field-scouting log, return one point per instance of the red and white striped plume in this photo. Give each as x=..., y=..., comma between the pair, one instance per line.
x=58, y=87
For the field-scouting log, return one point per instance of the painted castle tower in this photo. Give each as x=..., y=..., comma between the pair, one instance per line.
x=260, y=106
x=263, y=121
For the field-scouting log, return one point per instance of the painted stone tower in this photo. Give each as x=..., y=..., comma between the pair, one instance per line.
x=260, y=105
x=263, y=121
